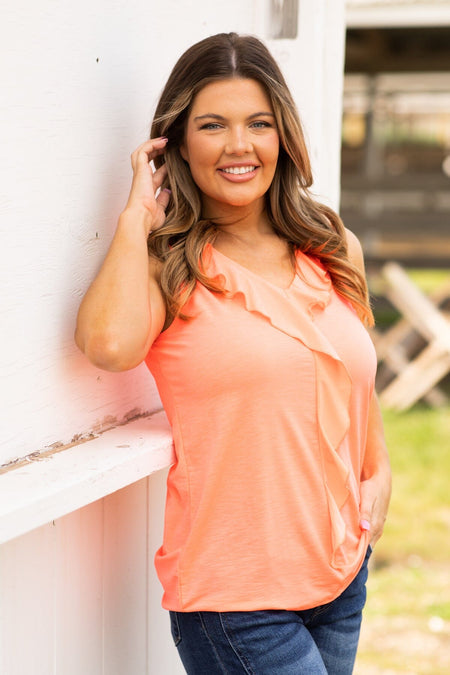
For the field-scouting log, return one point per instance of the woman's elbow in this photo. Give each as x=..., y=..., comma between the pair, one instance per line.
x=107, y=353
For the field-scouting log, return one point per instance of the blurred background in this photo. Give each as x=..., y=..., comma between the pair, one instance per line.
x=396, y=142
x=395, y=177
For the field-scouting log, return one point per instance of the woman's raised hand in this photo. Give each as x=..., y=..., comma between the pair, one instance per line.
x=123, y=310
x=145, y=194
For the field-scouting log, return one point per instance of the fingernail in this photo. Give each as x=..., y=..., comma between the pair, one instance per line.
x=364, y=525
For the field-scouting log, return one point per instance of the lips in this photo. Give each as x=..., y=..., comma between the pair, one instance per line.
x=238, y=173
x=238, y=170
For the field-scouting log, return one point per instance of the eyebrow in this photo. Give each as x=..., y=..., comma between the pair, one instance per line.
x=214, y=116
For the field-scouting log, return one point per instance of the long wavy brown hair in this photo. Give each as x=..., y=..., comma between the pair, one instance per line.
x=295, y=215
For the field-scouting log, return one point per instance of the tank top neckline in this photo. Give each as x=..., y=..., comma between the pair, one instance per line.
x=255, y=275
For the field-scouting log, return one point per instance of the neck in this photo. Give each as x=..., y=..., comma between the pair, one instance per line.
x=242, y=224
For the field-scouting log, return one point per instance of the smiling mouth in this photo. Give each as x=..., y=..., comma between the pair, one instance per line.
x=239, y=170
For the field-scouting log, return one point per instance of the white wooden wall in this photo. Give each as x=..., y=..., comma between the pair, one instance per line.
x=79, y=83
x=80, y=595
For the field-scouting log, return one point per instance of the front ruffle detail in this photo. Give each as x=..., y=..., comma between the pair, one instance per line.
x=292, y=311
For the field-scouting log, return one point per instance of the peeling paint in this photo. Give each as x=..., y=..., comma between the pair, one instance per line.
x=58, y=444
x=134, y=414
x=109, y=422
x=46, y=453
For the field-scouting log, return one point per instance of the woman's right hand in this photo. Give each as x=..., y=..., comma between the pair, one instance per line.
x=123, y=311
x=144, y=197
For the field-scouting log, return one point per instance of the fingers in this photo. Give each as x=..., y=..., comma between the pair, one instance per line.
x=373, y=508
x=369, y=522
x=164, y=198
x=159, y=176
x=365, y=524
x=148, y=151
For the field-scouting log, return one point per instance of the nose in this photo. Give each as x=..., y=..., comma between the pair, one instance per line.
x=238, y=141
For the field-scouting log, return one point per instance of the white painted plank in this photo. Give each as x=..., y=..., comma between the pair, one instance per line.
x=126, y=622
x=47, y=489
x=83, y=595
x=27, y=612
x=78, y=592
x=162, y=654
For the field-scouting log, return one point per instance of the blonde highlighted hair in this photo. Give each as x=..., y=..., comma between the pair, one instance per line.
x=295, y=216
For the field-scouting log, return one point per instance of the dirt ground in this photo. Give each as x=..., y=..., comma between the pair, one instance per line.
x=406, y=648
x=409, y=642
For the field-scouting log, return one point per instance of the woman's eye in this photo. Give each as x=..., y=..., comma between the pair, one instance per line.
x=261, y=124
x=210, y=126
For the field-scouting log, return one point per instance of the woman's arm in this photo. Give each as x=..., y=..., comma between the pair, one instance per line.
x=375, y=476
x=376, y=471
x=123, y=310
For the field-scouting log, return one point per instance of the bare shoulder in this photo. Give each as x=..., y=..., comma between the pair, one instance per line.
x=354, y=248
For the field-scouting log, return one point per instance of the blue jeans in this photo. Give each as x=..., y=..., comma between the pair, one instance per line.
x=318, y=641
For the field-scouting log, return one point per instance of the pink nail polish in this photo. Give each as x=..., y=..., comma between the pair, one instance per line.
x=364, y=525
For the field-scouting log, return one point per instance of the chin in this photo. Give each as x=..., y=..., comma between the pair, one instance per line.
x=243, y=200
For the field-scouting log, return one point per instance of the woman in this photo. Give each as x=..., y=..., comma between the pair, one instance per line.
x=248, y=308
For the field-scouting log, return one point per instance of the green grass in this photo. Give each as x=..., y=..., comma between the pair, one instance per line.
x=406, y=627
x=428, y=280
x=419, y=519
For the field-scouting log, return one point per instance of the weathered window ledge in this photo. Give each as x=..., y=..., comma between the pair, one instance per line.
x=57, y=483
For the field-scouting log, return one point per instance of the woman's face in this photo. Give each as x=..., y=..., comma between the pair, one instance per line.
x=231, y=144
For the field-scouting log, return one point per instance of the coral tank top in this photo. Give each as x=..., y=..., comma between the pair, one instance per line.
x=267, y=391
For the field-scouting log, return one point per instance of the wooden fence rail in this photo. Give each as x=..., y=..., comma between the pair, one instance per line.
x=417, y=348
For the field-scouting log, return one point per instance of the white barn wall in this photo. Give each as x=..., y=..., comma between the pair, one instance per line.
x=79, y=83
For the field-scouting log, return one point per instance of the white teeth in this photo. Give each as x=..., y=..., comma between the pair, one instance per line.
x=239, y=169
